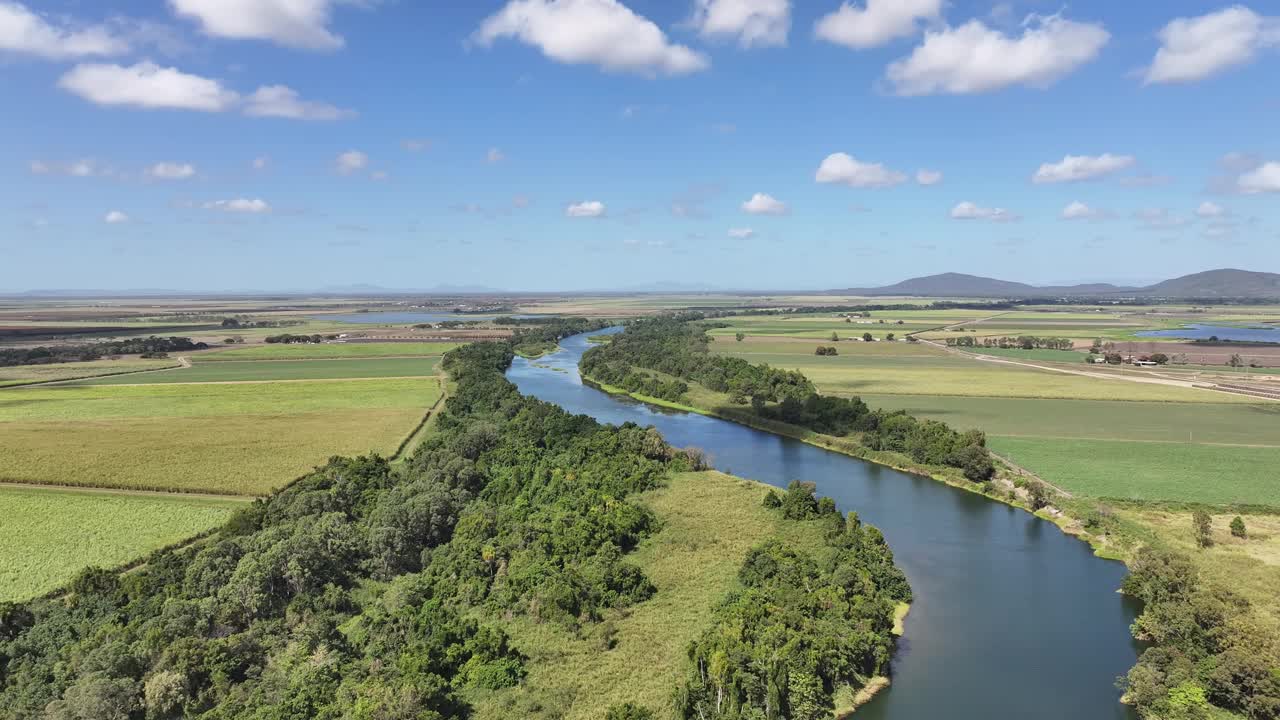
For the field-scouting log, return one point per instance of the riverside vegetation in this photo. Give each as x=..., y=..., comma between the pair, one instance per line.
x=1209, y=647
x=372, y=591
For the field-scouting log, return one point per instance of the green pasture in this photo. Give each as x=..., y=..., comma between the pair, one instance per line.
x=268, y=370
x=48, y=535
x=1060, y=356
x=28, y=374
x=1213, y=474
x=328, y=351
x=1228, y=423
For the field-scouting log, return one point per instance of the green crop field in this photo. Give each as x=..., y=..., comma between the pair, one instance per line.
x=27, y=374
x=857, y=373
x=1226, y=423
x=48, y=535
x=223, y=438
x=266, y=370
x=328, y=350
x=710, y=522
x=1214, y=474
x=1060, y=356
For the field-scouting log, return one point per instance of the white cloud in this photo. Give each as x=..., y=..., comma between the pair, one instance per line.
x=756, y=23
x=79, y=168
x=764, y=204
x=1196, y=48
x=1264, y=179
x=845, y=169
x=171, y=171
x=1079, y=211
x=1076, y=168
x=147, y=85
x=292, y=23
x=877, y=23
x=494, y=156
x=974, y=58
x=970, y=211
x=1210, y=210
x=261, y=163
x=588, y=209
x=352, y=161
x=24, y=32
x=741, y=233
x=281, y=101
x=255, y=206
x=596, y=32
x=115, y=217
x=928, y=177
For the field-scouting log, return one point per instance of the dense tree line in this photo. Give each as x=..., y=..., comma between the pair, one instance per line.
x=672, y=345
x=44, y=355
x=804, y=625
x=546, y=333
x=1208, y=646
x=291, y=339
x=361, y=590
x=1022, y=342
x=240, y=322
x=864, y=308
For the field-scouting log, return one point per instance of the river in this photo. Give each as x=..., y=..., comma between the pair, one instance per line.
x=1012, y=618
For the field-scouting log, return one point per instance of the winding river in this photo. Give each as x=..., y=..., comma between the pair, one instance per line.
x=1012, y=618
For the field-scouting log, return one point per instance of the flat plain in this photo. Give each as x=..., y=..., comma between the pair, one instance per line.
x=54, y=372
x=240, y=438
x=323, y=351
x=275, y=370
x=49, y=534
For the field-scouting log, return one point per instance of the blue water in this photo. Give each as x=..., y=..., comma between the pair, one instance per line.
x=1012, y=619
x=1223, y=332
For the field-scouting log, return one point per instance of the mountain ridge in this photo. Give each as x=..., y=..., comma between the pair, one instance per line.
x=1221, y=283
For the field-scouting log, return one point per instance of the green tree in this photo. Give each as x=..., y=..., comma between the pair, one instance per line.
x=866, y=337
x=1203, y=523
x=1237, y=527
x=835, y=337
x=740, y=336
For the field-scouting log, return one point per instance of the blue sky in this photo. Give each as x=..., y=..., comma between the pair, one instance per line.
x=574, y=144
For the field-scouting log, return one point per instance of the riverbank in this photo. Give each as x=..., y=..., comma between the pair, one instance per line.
x=1005, y=489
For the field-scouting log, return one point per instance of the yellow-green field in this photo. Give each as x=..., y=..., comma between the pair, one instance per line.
x=243, y=438
x=47, y=535
x=710, y=522
x=263, y=370
x=28, y=374
x=328, y=350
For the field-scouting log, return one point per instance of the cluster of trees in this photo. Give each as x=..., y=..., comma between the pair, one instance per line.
x=826, y=350
x=239, y=322
x=858, y=310
x=1208, y=646
x=153, y=346
x=362, y=590
x=805, y=624
x=1022, y=342
x=542, y=335
x=671, y=344
x=288, y=339
x=449, y=324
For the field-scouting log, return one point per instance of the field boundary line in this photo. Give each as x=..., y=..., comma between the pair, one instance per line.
x=106, y=490
x=88, y=377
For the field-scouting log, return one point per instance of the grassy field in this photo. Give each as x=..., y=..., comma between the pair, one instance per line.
x=1249, y=566
x=327, y=351
x=269, y=370
x=1227, y=423
x=1058, y=356
x=47, y=535
x=710, y=521
x=1212, y=474
x=27, y=374
x=917, y=371
x=221, y=438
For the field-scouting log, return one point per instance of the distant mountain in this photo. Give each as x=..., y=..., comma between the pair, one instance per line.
x=1219, y=283
x=1211, y=284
